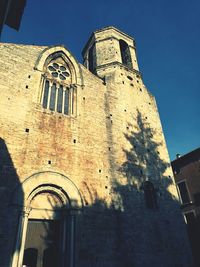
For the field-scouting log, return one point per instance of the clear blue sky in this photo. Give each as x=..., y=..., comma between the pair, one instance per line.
x=167, y=34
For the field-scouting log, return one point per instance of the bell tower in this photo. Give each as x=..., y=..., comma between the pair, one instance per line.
x=107, y=48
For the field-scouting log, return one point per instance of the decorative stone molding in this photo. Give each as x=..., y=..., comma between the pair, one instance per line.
x=52, y=181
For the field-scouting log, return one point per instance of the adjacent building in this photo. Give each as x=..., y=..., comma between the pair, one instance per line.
x=186, y=170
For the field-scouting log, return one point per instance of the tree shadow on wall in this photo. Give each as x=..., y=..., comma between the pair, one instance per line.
x=143, y=160
x=148, y=208
x=9, y=214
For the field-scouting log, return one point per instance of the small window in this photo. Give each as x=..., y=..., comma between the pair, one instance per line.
x=150, y=195
x=183, y=192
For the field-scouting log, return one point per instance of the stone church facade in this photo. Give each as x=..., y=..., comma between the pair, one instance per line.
x=85, y=178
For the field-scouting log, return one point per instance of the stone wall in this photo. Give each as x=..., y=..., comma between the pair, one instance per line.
x=113, y=144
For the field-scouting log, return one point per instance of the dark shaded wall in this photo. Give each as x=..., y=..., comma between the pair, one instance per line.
x=9, y=213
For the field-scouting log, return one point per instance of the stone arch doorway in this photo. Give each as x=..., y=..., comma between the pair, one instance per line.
x=48, y=217
x=47, y=221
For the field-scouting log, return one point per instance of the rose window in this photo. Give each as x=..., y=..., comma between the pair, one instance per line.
x=58, y=71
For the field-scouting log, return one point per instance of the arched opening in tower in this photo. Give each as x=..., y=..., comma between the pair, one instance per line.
x=125, y=54
x=91, y=59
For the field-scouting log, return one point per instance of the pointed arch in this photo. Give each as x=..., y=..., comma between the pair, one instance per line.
x=61, y=76
x=55, y=52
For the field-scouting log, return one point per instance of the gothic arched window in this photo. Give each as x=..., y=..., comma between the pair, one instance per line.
x=125, y=54
x=150, y=195
x=58, y=92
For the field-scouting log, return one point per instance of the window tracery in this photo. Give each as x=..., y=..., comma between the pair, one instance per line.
x=59, y=94
x=58, y=71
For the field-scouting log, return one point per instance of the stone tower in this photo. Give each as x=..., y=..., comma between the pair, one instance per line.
x=109, y=47
x=85, y=178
